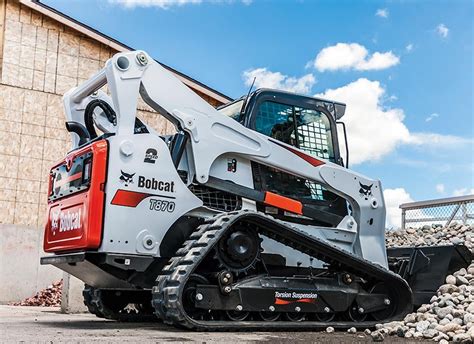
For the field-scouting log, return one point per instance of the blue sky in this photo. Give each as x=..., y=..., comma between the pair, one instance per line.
x=405, y=69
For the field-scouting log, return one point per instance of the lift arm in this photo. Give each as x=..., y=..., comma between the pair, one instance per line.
x=212, y=134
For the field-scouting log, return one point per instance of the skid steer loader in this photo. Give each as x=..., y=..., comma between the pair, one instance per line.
x=247, y=217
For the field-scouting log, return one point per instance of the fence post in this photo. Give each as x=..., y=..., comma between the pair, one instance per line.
x=464, y=213
x=403, y=218
x=451, y=218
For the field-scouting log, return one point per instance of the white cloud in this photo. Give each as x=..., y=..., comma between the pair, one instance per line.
x=463, y=192
x=431, y=117
x=442, y=30
x=375, y=130
x=437, y=140
x=265, y=78
x=440, y=188
x=347, y=56
x=382, y=13
x=166, y=4
x=409, y=47
x=393, y=199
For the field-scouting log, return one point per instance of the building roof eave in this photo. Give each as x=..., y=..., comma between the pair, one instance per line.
x=116, y=45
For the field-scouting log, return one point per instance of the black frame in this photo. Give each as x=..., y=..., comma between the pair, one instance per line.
x=290, y=99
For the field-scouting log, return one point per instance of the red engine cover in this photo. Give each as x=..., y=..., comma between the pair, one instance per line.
x=76, y=200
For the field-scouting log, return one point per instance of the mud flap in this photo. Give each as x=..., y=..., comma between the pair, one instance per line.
x=426, y=268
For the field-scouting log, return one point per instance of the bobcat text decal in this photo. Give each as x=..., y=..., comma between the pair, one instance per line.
x=65, y=221
x=154, y=184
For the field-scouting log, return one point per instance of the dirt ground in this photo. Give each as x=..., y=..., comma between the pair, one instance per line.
x=47, y=324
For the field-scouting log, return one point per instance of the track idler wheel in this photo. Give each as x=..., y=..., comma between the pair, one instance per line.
x=324, y=317
x=237, y=315
x=356, y=313
x=295, y=316
x=381, y=288
x=239, y=249
x=269, y=316
x=189, y=297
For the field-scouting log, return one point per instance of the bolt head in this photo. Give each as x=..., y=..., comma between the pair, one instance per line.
x=386, y=302
x=225, y=280
x=239, y=308
x=199, y=297
x=271, y=308
x=297, y=309
x=227, y=289
x=326, y=309
x=361, y=310
x=227, y=275
x=142, y=59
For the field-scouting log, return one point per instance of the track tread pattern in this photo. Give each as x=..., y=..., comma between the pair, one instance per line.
x=94, y=303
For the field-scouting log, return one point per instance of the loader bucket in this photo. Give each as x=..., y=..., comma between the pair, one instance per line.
x=425, y=268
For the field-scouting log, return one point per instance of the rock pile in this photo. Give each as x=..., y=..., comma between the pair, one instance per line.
x=49, y=297
x=432, y=235
x=448, y=317
x=450, y=314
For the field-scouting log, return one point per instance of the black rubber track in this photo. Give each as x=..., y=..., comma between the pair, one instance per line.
x=94, y=301
x=170, y=283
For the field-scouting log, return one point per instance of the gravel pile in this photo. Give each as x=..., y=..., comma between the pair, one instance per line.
x=432, y=235
x=49, y=297
x=450, y=314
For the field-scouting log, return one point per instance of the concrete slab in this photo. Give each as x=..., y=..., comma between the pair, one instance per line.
x=21, y=274
x=41, y=324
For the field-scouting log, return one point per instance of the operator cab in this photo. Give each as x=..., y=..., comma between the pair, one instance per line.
x=304, y=122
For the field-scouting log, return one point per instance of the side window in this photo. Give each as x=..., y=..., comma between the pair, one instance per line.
x=277, y=121
x=307, y=129
x=314, y=133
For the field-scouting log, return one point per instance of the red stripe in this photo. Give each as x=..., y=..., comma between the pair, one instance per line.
x=306, y=300
x=282, y=302
x=68, y=179
x=313, y=161
x=128, y=198
x=287, y=302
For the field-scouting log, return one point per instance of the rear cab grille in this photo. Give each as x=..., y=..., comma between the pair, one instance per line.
x=76, y=200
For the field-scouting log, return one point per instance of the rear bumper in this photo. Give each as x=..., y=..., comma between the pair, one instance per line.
x=106, y=270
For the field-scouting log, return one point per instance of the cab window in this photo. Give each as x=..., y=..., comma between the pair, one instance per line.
x=307, y=129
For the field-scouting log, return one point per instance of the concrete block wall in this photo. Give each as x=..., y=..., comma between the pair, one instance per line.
x=40, y=60
x=20, y=272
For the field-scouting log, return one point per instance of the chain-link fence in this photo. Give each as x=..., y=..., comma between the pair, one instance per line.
x=439, y=211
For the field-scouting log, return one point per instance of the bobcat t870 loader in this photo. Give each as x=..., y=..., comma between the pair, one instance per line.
x=245, y=218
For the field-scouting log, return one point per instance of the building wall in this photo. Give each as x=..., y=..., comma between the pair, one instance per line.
x=40, y=60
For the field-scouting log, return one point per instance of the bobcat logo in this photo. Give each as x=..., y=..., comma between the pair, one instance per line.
x=55, y=221
x=126, y=178
x=365, y=190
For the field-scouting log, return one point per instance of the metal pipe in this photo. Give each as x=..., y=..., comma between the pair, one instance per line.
x=88, y=87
